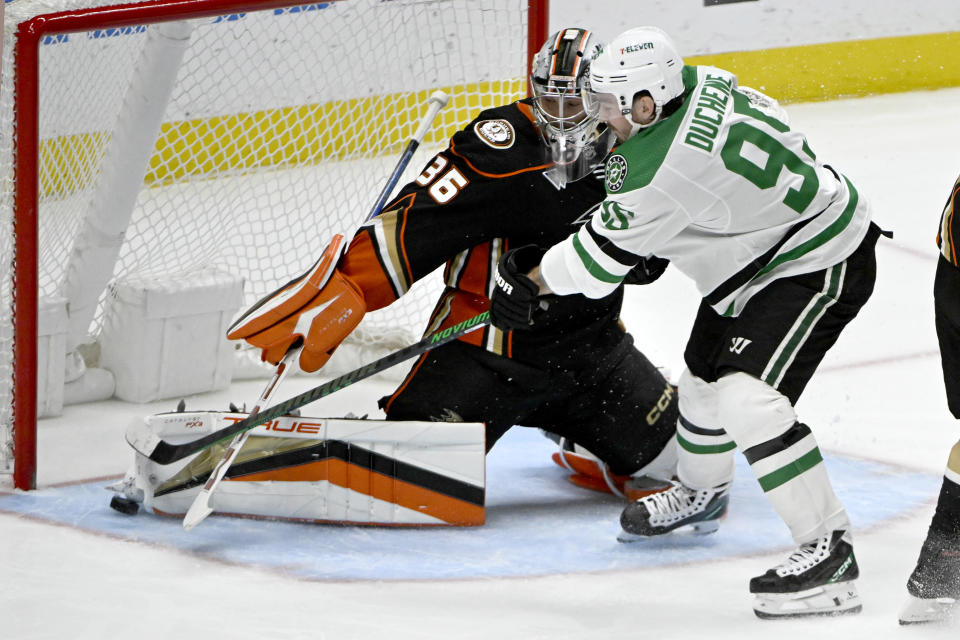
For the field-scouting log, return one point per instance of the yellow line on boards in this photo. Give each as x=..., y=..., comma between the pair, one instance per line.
x=846, y=69
x=279, y=138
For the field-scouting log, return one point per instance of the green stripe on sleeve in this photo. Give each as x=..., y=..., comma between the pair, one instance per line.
x=591, y=265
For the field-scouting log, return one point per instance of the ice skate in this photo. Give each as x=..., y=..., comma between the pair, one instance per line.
x=817, y=579
x=676, y=507
x=934, y=585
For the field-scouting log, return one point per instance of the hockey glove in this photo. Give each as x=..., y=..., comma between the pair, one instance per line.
x=320, y=308
x=647, y=270
x=515, y=298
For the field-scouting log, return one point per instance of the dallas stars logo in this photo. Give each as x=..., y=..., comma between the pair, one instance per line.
x=615, y=172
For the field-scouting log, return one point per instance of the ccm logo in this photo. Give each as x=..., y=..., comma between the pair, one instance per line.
x=662, y=403
x=308, y=428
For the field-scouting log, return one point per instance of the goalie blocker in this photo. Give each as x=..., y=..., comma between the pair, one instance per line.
x=318, y=309
x=331, y=470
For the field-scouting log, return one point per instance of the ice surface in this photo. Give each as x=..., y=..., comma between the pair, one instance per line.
x=537, y=524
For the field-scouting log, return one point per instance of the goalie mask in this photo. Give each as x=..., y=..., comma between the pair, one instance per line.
x=575, y=141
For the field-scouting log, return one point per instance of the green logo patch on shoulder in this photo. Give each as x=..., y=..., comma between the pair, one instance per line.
x=615, y=172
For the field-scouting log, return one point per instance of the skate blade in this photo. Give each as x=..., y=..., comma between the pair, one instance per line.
x=626, y=536
x=929, y=610
x=828, y=600
x=695, y=529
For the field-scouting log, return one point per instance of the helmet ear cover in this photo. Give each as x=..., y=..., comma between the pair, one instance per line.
x=664, y=111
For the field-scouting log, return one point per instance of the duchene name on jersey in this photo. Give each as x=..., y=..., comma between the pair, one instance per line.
x=708, y=113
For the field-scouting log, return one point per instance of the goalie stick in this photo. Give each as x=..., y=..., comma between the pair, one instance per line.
x=438, y=100
x=144, y=441
x=200, y=508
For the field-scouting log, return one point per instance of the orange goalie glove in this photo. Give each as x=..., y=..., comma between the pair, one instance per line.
x=321, y=308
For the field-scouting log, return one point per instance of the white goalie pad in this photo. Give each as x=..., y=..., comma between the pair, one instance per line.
x=331, y=470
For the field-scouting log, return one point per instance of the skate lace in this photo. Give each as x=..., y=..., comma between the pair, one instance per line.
x=669, y=501
x=803, y=557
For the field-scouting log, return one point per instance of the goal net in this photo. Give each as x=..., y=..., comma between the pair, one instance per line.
x=193, y=155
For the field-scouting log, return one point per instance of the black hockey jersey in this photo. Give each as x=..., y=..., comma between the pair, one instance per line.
x=487, y=193
x=947, y=239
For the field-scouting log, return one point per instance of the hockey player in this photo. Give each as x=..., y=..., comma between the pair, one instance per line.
x=781, y=247
x=934, y=585
x=525, y=173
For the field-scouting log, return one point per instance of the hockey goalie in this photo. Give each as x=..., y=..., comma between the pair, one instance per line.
x=520, y=175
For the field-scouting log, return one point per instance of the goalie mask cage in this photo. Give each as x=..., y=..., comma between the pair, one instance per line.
x=165, y=139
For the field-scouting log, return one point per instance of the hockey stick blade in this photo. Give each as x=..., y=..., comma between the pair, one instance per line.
x=162, y=452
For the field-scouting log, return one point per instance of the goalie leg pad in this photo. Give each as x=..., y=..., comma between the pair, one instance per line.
x=330, y=470
x=589, y=472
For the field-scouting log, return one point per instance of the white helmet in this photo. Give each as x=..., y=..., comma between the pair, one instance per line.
x=556, y=85
x=641, y=59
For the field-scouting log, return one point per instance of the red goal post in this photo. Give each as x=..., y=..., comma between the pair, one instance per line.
x=218, y=154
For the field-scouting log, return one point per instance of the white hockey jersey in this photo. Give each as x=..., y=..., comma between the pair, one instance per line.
x=726, y=191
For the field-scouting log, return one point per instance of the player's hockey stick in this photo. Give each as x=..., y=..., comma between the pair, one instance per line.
x=200, y=508
x=143, y=440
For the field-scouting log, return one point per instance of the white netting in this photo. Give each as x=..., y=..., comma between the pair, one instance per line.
x=281, y=130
